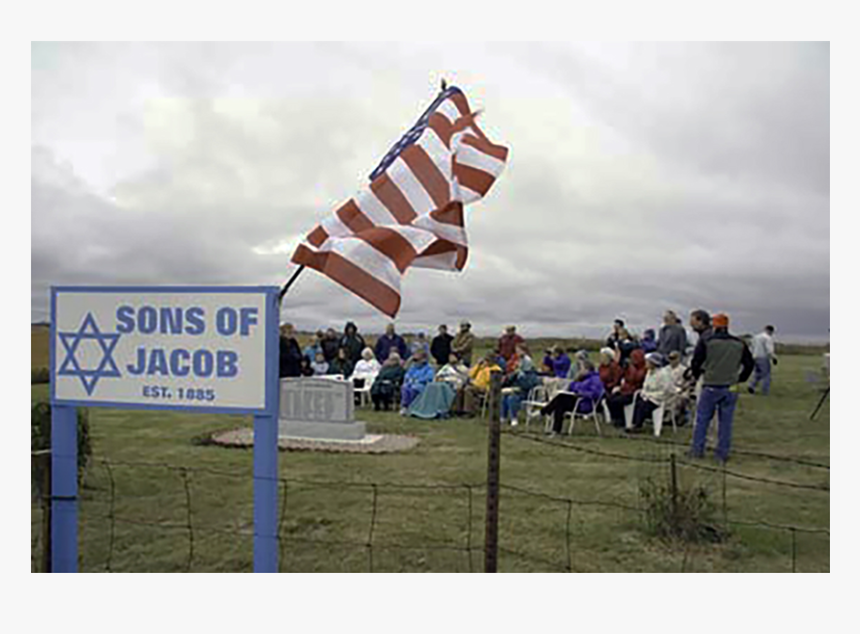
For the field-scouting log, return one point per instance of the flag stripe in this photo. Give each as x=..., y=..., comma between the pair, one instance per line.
x=468, y=155
x=352, y=217
x=449, y=110
x=393, y=199
x=438, y=153
x=496, y=151
x=459, y=100
x=442, y=127
x=422, y=166
x=411, y=187
x=374, y=209
x=476, y=180
x=353, y=278
x=392, y=245
x=317, y=236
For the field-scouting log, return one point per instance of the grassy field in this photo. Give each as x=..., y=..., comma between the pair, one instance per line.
x=326, y=527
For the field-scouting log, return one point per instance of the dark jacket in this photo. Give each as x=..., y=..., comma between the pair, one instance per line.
x=290, y=358
x=388, y=381
x=341, y=366
x=329, y=348
x=440, y=348
x=673, y=337
x=385, y=344
x=354, y=345
x=722, y=358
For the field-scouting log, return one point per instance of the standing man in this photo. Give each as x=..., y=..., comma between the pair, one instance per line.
x=440, y=347
x=463, y=343
x=673, y=337
x=763, y=353
x=722, y=360
x=290, y=357
x=389, y=342
x=508, y=343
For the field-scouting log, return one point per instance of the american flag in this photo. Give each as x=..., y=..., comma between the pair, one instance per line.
x=411, y=214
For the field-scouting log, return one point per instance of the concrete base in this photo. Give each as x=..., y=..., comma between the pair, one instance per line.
x=318, y=430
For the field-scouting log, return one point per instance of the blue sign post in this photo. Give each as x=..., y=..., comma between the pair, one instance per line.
x=212, y=349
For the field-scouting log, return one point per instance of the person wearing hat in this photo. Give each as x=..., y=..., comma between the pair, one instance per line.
x=722, y=360
x=508, y=343
x=657, y=389
x=463, y=343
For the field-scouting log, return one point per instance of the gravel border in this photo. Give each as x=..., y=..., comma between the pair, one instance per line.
x=371, y=443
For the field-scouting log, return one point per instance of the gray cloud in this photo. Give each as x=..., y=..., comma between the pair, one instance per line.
x=641, y=177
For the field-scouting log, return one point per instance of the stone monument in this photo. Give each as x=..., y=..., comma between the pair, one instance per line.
x=319, y=409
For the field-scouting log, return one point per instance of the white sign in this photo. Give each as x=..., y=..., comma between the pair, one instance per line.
x=203, y=348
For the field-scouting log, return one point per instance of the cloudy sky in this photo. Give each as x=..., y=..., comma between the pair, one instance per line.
x=641, y=176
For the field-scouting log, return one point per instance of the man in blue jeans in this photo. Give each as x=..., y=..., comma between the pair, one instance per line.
x=724, y=360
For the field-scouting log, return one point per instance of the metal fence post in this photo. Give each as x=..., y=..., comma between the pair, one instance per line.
x=491, y=536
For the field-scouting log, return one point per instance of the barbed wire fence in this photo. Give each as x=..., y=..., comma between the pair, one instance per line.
x=454, y=510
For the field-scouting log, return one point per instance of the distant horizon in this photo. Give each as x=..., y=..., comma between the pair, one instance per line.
x=785, y=339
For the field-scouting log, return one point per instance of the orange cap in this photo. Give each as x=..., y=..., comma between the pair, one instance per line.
x=720, y=320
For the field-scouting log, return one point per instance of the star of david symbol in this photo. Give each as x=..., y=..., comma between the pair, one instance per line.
x=106, y=367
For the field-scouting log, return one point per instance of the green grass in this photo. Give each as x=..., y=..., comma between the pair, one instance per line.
x=451, y=452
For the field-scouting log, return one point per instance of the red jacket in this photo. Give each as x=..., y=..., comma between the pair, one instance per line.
x=610, y=375
x=634, y=373
x=508, y=344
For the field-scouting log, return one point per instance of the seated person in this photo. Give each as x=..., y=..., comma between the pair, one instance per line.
x=479, y=383
x=319, y=366
x=341, y=364
x=578, y=364
x=387, y=383
x=454, y=372
x=584, y=392
x=621, y=395
x=366, y=368
x=419, y=374
x=684, y=387
x=557, y=362
x=518, y=384
x=657, y=388
x=609, y=370
x=306, y=368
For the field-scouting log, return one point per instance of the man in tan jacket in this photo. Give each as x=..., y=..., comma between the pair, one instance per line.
x=463, y=343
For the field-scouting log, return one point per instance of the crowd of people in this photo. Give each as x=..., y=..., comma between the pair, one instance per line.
x=657, y=369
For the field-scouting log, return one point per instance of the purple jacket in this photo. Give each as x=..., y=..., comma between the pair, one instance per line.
x=591, y=387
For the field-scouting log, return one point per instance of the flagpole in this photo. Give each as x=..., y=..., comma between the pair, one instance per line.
x=444, y=87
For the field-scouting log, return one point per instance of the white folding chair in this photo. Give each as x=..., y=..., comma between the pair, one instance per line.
x=574, y=413
x=656, y=416
x=538, y=398
x=364, y=391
